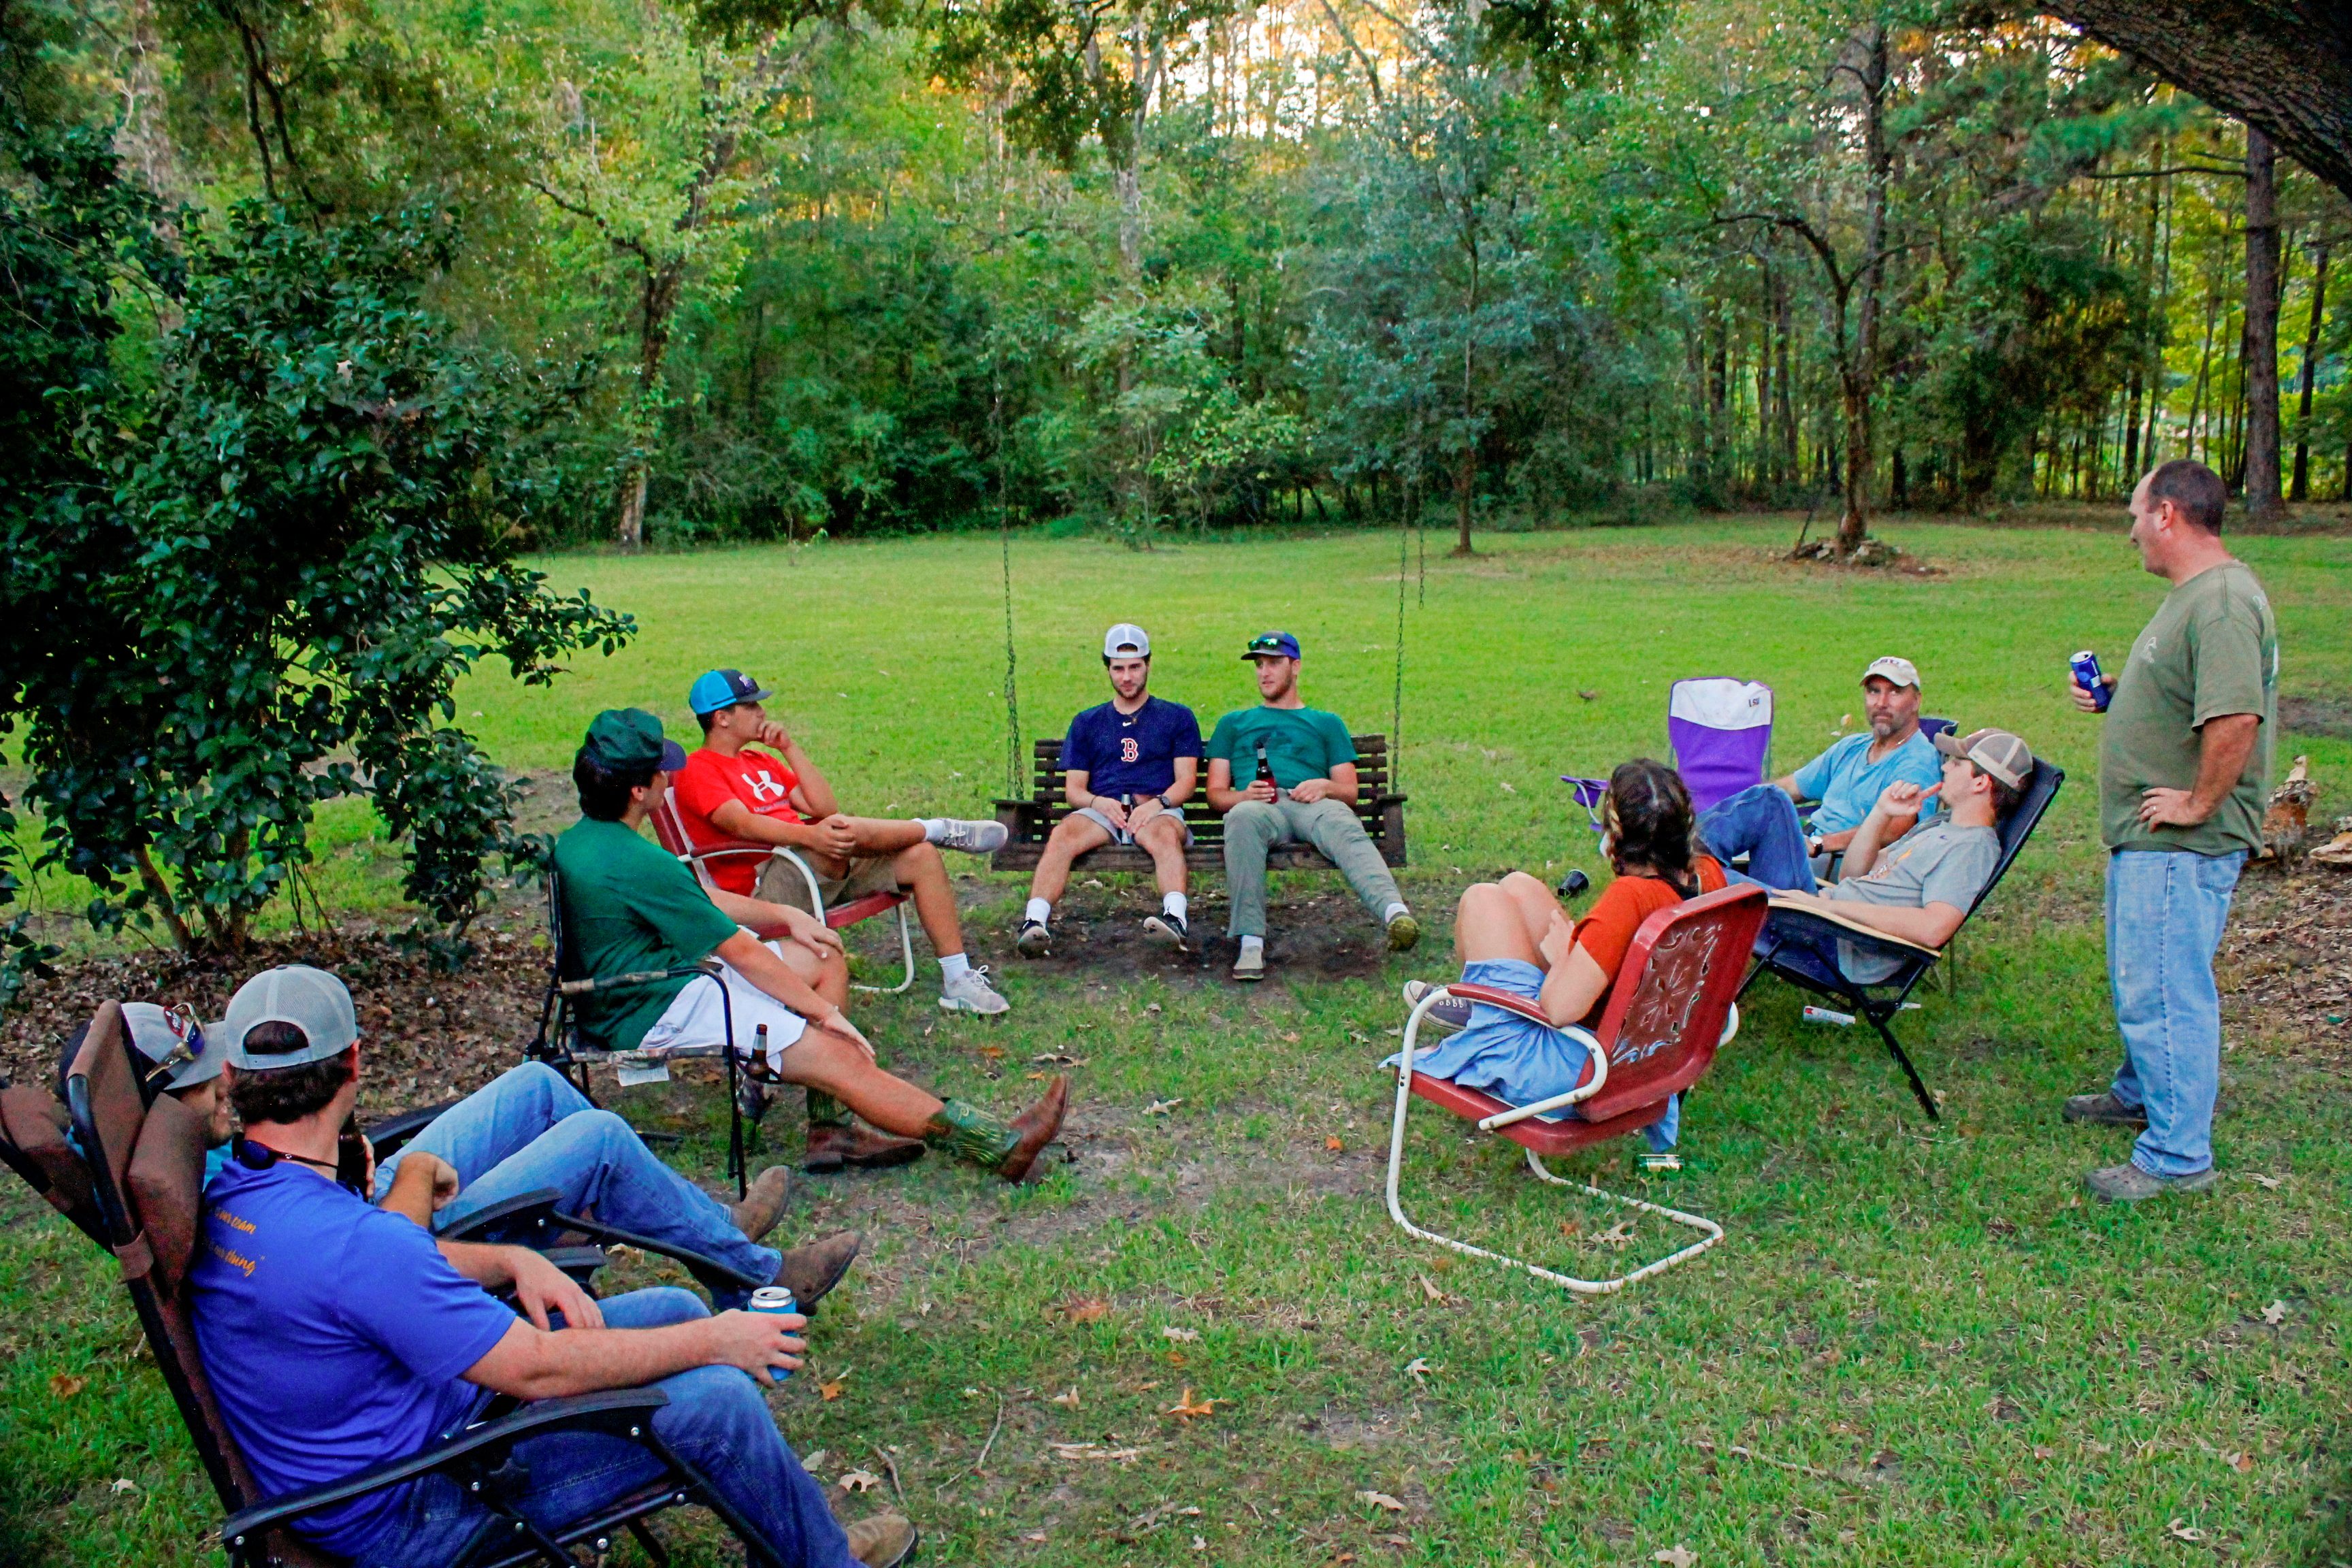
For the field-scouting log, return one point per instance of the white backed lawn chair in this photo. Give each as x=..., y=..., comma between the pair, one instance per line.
x=1670, y=1010
x=669, y=827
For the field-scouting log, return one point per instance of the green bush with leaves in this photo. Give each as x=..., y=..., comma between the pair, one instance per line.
x=249, y=585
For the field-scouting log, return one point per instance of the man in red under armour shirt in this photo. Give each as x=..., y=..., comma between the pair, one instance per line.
x=728, y=792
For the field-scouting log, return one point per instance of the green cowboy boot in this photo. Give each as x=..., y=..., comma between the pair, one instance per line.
x=1008, y=1149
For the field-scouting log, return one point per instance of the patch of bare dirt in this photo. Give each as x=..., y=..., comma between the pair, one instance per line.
x=2316, y=716
x=428, y=1035
x=2285, y=963
x=1320, y=933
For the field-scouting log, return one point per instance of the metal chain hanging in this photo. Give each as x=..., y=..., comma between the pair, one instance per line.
x=1396, y=701
x=1013, y=769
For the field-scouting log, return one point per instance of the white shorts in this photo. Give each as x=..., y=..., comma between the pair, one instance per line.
x=696, y=1019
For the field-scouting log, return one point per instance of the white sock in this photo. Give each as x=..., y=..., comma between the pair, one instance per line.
x=1039, y=911
x=1253, y=944
x=954, y=967
x=1174, y=904
x=1391, y=913
x=935, y=828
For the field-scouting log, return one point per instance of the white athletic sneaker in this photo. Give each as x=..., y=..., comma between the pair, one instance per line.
x=1169, y=931
x=1249, y=963
x=970, y=993
x=971, y=837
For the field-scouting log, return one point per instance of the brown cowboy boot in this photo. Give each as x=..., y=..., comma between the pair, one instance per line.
x=810, y=1272
x=971, y=1133
x=835, y=1139
x=761, y=1206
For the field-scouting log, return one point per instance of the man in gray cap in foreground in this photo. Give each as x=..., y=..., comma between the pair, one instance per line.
x=338, y=1336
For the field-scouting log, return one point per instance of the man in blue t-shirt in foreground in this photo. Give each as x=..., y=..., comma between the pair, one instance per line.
x=338, y=1336
x=1846, y=782
x=1127, y=767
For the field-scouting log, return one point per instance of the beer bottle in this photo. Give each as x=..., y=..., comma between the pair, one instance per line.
x=1264, y=768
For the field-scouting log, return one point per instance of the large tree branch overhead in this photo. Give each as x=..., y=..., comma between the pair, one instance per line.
x=2284, y=66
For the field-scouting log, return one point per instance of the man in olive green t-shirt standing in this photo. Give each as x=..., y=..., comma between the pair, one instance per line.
x=2183, y=765
x=1310, y=795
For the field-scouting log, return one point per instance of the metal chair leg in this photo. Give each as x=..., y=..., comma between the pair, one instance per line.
x=1903, y=1059
x=907, y=956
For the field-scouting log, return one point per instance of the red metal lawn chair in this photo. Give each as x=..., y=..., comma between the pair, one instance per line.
x=1672, y=1007
x=669, y=827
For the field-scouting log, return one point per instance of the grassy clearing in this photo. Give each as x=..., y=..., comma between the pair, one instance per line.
x=1915, y=1347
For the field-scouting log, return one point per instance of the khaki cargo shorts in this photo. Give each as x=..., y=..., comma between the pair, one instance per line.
x=780, y=881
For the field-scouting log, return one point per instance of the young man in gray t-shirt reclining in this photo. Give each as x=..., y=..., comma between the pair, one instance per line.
x=1920, y=888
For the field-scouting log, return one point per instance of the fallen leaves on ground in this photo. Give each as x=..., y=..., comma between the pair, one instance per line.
x=2276, y=1313
x=1431, y=1292
x=2241, y=1463
x=993, y=1053
x=1067, y=1401
x=2268, y=1184
x=859, y=1480
x=1617, y=1235
x=1185, y=1335
x=1034, y=1535
x=1335, y=1144
x=1094, y=1451
x=125, y=1484
x=1188, y=1407
x=829, y=1392
x=1085, y=1309
x=1163, y=1107
x=2181, y=1529
x=1381, y=1500
x=1419, y=1369
x=1674, y=1556
x=65, y=1384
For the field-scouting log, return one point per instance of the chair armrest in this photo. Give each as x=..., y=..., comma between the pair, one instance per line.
x=713, y=1274
x=622, y=1413
x=537, y=1206
x=635, y=977
x=389, y=1135
x=1851, y=930
x=1508, y=1001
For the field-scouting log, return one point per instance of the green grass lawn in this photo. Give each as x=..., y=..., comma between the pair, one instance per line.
x=1917, y=1344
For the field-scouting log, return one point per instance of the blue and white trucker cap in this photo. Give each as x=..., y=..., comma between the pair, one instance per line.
x=311, y=1000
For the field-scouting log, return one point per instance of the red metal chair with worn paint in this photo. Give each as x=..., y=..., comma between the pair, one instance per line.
x=1671, y=1009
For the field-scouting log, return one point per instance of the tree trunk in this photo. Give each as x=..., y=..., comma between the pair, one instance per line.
x=2283, y=65
x=2302, y=488
x=1785, y=318
x=1861, y=381
x=2262, y=440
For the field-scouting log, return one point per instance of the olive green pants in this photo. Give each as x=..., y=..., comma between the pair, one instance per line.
x=1255, y=827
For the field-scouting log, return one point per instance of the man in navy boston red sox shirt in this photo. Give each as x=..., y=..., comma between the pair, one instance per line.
x=1127, y=767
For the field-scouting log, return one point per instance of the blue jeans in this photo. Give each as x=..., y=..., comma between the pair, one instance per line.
x=1761, y=823
x=716, y=1420
x=531, y=1129
x=2165, y=913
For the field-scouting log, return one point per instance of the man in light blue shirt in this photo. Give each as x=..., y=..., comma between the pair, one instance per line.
x=1845, y=781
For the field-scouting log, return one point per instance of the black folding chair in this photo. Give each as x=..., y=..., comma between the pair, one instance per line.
x=561, y=1045
x=1797, y=940
x=146, y=1169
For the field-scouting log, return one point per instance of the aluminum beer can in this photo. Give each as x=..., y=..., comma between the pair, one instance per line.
x=2085, y=666
x=777, y=1299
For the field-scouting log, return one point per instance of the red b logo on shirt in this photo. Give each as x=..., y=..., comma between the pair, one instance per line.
x=1127, y=750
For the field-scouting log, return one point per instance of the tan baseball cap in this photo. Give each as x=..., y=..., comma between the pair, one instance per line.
x=1997, y=751
x=1900, y=671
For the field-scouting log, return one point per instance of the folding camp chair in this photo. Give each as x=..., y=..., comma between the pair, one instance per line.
x=669, y=827
x=1718, y=736
x=146, y=1168
x=33, y=1144
x=1669, y=1012
x=559, y=1045
x=1803, y=944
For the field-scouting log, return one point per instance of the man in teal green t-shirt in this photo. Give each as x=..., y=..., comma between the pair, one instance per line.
x=1283, y=772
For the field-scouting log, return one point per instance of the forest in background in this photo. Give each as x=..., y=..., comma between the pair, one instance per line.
x=1152, y=265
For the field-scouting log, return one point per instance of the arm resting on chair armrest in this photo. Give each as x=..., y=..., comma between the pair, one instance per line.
x=618, y=1412
x=1785, y=906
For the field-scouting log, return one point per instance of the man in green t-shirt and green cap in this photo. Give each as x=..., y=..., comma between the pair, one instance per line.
x=1283, y=772
x=2184, y=769
x=629, y=907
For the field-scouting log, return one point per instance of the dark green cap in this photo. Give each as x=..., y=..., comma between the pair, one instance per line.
x=631, y=738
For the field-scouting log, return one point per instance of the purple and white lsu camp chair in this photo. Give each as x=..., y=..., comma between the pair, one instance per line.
x=1719, y=733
